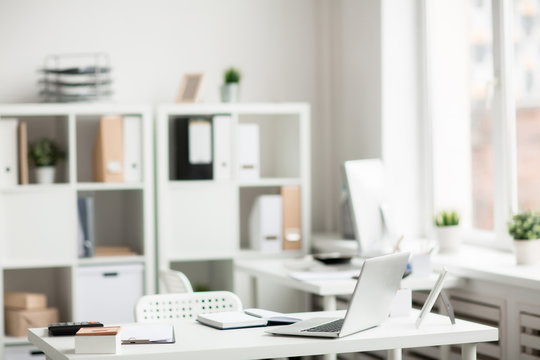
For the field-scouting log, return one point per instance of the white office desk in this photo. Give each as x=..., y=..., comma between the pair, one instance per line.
x=196, y=341
x=275, y=270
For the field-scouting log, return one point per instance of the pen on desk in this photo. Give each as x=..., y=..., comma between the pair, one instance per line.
x=430, y=250
x=398, y=244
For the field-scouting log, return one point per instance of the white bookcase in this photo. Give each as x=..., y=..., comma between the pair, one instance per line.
x=39, y=223
x=203, y=223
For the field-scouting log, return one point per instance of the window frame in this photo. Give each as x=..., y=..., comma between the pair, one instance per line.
x=503, y=107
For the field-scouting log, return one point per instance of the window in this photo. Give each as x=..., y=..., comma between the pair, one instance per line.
x=526, y=19
x=484, y=110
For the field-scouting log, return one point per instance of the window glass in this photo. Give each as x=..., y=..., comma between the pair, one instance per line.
x=481, y=120
x=527, y=92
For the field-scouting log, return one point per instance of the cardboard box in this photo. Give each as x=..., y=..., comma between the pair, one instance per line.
x=25, y=300
x=98, y=340
x=18, y=321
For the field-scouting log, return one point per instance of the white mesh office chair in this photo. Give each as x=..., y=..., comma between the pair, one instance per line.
x=173, y=307
x=175, y=282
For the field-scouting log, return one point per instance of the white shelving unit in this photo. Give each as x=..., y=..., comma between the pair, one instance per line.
x=38, y=223
x=202, y=224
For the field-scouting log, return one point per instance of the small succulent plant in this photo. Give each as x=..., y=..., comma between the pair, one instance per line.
x=446, y=218
x=232, y=76
x=45, y=152
x=525, y=226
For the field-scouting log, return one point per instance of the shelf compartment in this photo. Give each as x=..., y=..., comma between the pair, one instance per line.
x=54, y=282
x=201, y=219
x=279, y=144
x=55, y=128
x=118, y=219
x=86, y=130
x=38, y=227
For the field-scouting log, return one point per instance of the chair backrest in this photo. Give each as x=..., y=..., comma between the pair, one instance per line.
x=174, y=307
x=175, y=282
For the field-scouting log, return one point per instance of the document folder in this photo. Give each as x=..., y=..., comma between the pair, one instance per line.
x=23, y=154
x=292, y=232
x=147, y=334
x=109, y=150
x=8, y=152
x=132, y=148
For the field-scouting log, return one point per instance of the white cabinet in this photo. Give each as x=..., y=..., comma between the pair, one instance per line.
x=25, y=352
x=39, y=223
x=108, y=293
x=203, y=207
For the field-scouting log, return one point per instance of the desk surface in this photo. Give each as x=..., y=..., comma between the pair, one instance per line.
x=277, y=270
x=196, y=341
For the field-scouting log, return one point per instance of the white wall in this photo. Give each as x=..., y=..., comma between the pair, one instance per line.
x=376, y=99
x=328, y=53
x=153, y=43
x=450, y=111
x=401, y=115
x=355, y=123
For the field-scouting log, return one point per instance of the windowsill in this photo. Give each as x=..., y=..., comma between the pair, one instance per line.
x=472, y=261
x=491, y=265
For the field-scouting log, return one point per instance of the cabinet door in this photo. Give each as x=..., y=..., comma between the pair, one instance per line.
x=203, y=219
x=38, y=227
x=108, y=293
x=23, y=352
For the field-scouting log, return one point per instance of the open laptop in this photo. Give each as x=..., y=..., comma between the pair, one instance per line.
x=369, y=305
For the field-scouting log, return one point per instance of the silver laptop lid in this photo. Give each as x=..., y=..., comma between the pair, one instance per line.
x=375, y=289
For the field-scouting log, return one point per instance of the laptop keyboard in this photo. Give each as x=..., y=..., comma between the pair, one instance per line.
x=334, y=326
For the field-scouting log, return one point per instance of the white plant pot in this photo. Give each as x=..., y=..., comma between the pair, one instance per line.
x=527, y=251
x=449, y=238
x=230, y=93
x=45, y=174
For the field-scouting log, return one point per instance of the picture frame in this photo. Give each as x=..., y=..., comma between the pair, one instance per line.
x=432, y=297
x=190, y=88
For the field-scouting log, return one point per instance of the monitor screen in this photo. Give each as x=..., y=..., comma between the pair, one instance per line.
x=366, y=183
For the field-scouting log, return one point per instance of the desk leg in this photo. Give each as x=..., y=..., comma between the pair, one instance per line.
x=253, y=290
x=468, y=351
x=329, y=303
x=394, y=354
x=444, y=352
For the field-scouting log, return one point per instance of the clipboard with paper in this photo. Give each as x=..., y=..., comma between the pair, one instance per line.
x=148, y=334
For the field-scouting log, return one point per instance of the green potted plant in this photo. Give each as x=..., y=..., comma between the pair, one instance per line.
x=231, y=85
x=525, y=229
x=44, y=155
x=448, y=230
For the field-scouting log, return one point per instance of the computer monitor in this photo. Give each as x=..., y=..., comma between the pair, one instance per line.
x=365, y=184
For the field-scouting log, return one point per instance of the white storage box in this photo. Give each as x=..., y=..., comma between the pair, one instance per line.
x=98, y=340
x=108, y=293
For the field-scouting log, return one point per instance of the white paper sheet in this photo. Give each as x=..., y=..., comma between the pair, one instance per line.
x=147, y=333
